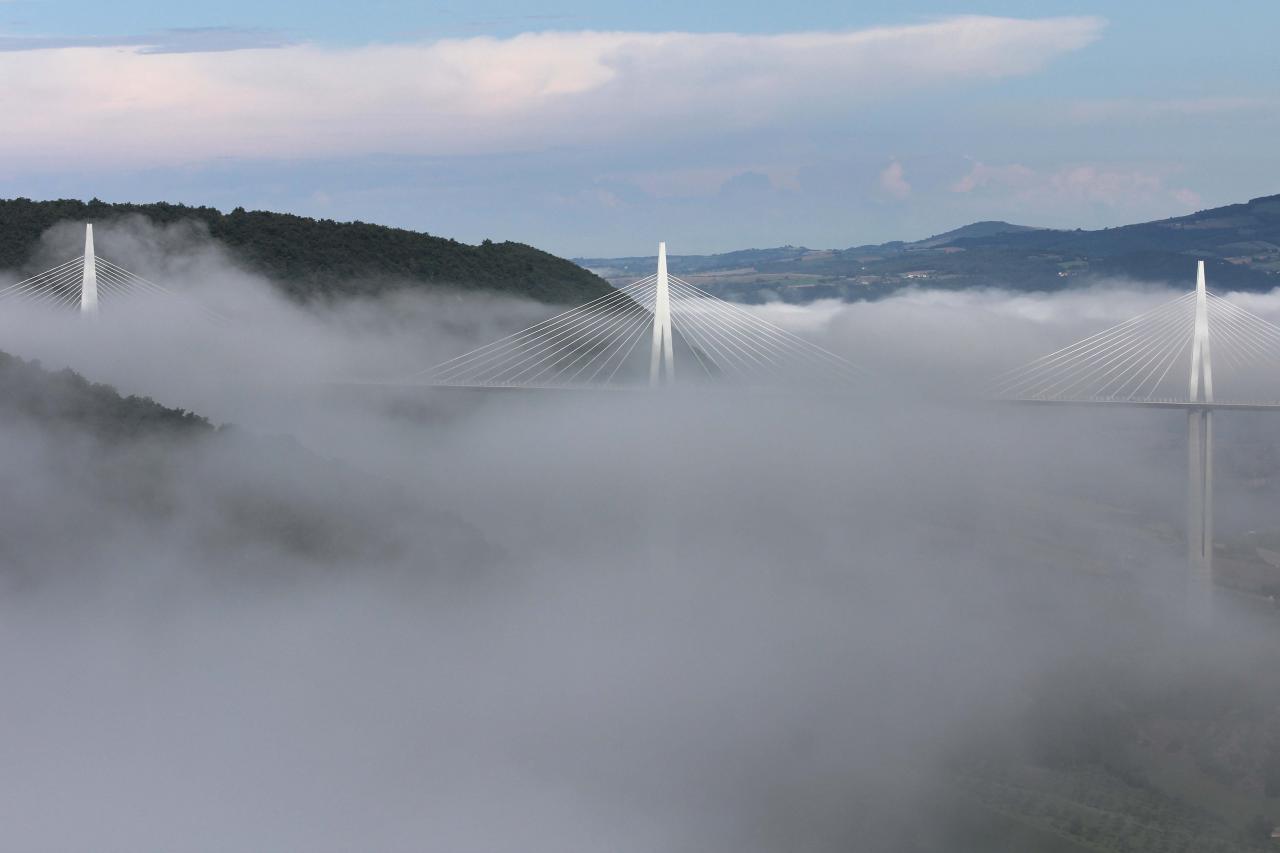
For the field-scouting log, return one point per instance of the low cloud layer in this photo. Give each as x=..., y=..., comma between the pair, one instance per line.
x=565, y=622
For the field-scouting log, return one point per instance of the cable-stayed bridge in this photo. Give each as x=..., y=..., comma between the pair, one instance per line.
x=1164, y=358
x=601, y=344
x=89, y=283
x=1199, y=353
x=632, y=336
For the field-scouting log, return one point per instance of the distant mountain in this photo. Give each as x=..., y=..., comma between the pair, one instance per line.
x=629, y=269
x=989, y=228
x=319, y=257
x=1240, y=243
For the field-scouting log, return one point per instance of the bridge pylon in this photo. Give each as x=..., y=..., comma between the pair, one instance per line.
x=591, y=344
x=1200, y=463
x=662, y=354
x=89, y=278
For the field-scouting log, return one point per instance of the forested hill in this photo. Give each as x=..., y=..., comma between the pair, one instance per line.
x=322, y=258
x=66, y=400
x=240, y=503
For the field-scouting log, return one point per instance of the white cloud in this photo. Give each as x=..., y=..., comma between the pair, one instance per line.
x=1112, y=110
x=981, y=175
x=894, y=182
x=179, y=40
x=97, y=105
x=1187, y=197
x=1092, y=183
x=1089, y=183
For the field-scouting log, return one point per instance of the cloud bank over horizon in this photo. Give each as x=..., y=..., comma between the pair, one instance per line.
x=592, y=136
x=142, y=107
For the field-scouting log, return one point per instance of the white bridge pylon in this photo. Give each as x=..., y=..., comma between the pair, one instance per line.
x=663, y=348
x=1163, y=358
x=89, y=277
x=89, y=282
x=599, y=345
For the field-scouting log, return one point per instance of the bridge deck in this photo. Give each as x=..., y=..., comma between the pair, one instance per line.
x=1240, y=405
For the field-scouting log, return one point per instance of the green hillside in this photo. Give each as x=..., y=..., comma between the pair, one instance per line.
x=66, y=400
x=319, y=257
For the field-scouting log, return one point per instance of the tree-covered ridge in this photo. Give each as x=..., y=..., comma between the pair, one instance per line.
x=261, y=506
x=1239, y=243
x=65, y=399
x=321, y=257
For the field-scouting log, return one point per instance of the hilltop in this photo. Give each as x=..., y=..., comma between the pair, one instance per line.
x=319, y=258
x=1240, y=242
x=63, y=400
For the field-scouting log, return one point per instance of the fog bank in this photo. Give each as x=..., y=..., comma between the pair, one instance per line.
x=435, y=620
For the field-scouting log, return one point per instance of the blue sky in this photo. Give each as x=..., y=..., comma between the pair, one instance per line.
x=600, y=128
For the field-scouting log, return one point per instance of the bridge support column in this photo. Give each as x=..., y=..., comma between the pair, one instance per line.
x=662, y=350
x=1200, y=465
x=1200, y=514
x=89, y=281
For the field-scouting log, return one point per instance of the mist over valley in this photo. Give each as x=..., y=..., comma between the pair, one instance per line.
x=706, y=427
x=353, y=617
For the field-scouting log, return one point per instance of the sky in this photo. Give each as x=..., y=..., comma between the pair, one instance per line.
x=597, y=129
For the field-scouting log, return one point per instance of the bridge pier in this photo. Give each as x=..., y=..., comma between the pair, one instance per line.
x=1200, y=465
x=1200, y=514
